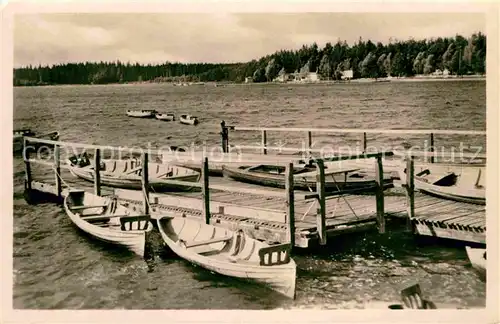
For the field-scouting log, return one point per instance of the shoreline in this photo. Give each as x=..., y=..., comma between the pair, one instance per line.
x=322, y=82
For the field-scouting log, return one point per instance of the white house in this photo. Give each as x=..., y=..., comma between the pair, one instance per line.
x=347, y=75
x=312, y=77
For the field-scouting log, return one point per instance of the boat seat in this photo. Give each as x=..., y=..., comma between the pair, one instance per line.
x=412, y=298
x=135, y=170
x=166, y=174
x=341, y=171
x=142, y=223
x=95, y=218
x=87, y=207
x=282, y=251
x=191, y=244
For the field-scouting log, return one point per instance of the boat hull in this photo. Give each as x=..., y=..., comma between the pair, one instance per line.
x=477, y=260
x=280, y=278
x=134, y=241
x=303, y=182
x=134, y=181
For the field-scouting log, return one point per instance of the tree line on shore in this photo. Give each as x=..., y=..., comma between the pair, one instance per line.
x=459, y=55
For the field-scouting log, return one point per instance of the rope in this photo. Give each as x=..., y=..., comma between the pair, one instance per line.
x=61, y=178
x=343, y=196
x=147, y=199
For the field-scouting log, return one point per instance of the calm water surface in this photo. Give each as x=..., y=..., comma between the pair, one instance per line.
x=57, y=266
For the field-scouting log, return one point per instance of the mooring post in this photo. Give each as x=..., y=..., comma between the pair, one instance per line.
x=431, y=149
x=145, y=181
x=97, y=173
x=410, y=192
x=321, y=211
x=225, y=137
x=363, y=142
x=205, y=190
x=379, y=194
x=309, y=145
x=57, y=171
x=264, y=141
x=28, y=177
x=290, y=203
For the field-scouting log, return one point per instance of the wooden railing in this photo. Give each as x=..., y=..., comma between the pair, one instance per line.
x=289, y=194
x=308, y=135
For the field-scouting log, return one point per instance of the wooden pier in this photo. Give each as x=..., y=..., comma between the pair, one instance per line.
x=274, y=215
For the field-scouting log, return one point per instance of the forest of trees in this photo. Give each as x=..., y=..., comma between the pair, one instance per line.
x=459, y=55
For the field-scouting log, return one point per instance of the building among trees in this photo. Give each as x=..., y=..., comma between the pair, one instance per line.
x=458, y=55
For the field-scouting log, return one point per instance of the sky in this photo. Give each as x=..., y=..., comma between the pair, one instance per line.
x=48, y=39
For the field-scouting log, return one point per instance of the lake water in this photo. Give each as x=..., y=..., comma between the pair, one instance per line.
x=57, y=266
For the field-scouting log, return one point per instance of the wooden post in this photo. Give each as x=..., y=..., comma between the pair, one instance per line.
x=205, y=190
x=379, y=194
x=321, y=211
x=225, y=137
x=145, y=182
x=290, y=204
x=431, y=149
x=264, y=141
x=28, y=176
x=410, y=192
x=309, y=144
x=57, y=171
x=363, y=142
x=97, y=174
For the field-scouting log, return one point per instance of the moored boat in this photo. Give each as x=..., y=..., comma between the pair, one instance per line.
x=144, y=113
x=188, y=120
x=230, y=253
x=304, y=177
x=165, y=117
x=127, y=173
x=19, y=134
x=105, y=219
x=477, y=258
x=464, y=183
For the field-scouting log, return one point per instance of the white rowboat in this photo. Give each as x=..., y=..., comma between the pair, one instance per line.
x=165, y=117
x=188, y=120
x=127, y=173
x=108, y=221
x=145, y=113
x=230, y=253
x=465, y=183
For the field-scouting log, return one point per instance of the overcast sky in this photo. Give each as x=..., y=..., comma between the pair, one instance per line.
x=222, y=37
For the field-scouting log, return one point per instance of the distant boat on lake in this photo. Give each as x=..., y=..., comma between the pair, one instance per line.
x=144, y=113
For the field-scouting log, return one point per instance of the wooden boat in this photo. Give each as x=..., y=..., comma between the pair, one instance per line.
x=304, y=177
x=477, y=258
x=108, y=221
x=465, y=183
x=127, y=173
x=188, y=120
x=144, y=113
x=230, y=253
x=165, y=117
x=19, y=134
